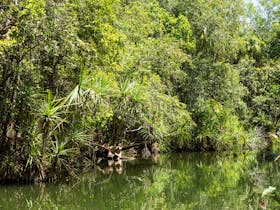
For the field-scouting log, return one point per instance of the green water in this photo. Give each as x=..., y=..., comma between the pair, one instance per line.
x=178, y=181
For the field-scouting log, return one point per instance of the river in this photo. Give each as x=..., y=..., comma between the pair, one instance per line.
x=176, y=181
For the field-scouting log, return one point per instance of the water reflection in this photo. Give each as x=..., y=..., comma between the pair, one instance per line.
x=184, y=181
x=112, y=165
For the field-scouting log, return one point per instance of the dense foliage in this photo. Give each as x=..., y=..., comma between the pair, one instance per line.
x=190, y=75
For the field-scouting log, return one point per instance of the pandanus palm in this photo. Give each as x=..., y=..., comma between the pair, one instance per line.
x=61, y=154
x=90, y=105
x=92, y=87
x=52, y=116
x=129, y=107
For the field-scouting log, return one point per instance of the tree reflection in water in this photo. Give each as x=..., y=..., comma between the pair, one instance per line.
x=183, y=181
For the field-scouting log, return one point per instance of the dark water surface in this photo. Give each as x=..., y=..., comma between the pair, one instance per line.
x=176, y=181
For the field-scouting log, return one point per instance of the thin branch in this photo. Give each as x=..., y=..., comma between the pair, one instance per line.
x=134, y=130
